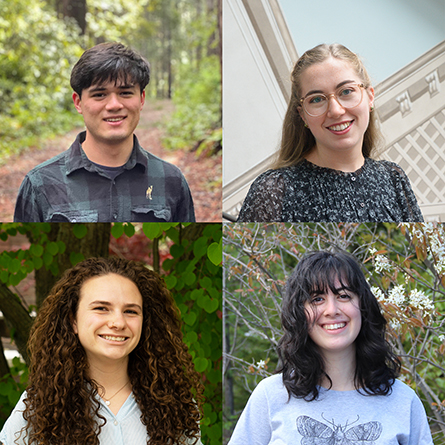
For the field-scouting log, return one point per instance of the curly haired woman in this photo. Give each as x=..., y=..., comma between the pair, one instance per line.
x=108, y=364
x=337, y=380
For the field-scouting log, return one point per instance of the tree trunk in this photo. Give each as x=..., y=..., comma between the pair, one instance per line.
x=17, y=319
x=4, y=367
x=156, y=257
x=93, y=244
x=76, y=9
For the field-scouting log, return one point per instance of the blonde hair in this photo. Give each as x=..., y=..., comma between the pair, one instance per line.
x=297, y=140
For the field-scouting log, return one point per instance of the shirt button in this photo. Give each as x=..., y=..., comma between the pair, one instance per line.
x=362, y=204
x=115, y=216
x=353, y=178
x=74, y=220
x=116, y=422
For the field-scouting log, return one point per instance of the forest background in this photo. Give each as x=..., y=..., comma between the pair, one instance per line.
x=404, y=265
x=188, y=256
x=41, y=40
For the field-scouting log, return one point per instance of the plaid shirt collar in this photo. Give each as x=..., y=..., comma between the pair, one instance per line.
x=77, y=159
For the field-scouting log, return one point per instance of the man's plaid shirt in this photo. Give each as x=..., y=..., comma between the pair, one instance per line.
x=70, y=188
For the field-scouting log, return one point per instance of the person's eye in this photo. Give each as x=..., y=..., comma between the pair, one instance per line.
x=349, y=91
x=132, y=312
x=100, y=308
x=345, y=297
x=317, y=300
x=318, y=99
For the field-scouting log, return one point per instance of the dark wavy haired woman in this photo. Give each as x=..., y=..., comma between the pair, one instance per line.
x=108, y=363
x=337, y=379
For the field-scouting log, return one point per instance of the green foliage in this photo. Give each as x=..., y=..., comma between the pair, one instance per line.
x=111, y=20
x=197, y=98
x=195, y=282
x=16, y=265
x=37, y=51
x=192, y=273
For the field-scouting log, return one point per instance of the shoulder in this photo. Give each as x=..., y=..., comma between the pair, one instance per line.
x=53, y=166
x=15, y=423
x=402, y=395
x=271, y=388
x=156, y=164
x=271, y=175
x=272, y=382
x=400, y=389
x=272, y=179
x=387, y=166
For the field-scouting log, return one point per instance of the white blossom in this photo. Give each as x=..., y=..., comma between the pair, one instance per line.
x=395, y=324
x=420, y=300
x=377, y=292
x=261, y=364
x=381, y=263
x=397, y=295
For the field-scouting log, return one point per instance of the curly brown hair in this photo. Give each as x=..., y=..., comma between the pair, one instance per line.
x=61, y=396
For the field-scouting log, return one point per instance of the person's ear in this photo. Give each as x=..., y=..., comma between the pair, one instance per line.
x=77, y=102
x=142, y=99
x=301, y=112
x=74, y=324
x=370, y=92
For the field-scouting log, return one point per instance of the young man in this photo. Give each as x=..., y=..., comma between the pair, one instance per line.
x=105, y=176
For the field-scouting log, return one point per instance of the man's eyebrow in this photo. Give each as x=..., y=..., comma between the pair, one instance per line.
x=337, y=87
x=95, y=89
x=102, y=88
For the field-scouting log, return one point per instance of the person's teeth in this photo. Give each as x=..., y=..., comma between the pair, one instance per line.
x=331, y=327
x=108, y=337
x=114, y=120
x=340, y=127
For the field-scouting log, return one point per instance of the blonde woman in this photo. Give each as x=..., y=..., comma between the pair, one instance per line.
x=325, y=169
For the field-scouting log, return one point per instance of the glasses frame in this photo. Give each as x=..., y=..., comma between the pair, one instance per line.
x=334, y=95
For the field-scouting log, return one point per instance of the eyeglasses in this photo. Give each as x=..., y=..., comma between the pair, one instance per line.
x=349, y=96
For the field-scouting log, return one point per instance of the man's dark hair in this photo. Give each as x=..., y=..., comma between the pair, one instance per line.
x=109, y=62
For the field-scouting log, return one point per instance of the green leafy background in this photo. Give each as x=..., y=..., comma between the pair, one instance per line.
x=192, y=272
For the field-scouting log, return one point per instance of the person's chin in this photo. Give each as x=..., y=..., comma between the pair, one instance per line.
x=114, y=138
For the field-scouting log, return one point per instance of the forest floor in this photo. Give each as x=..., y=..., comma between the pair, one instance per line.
x=203, y=173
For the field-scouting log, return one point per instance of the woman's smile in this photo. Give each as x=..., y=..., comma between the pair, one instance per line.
x=113, y=338
x=334, y=327
x=350, y=123
x=334, y=319
x=341, y=128
x=109, y=317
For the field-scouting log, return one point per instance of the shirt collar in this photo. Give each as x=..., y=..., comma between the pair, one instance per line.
x=77, y=159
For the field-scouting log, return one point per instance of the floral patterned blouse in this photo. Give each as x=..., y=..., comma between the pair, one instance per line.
x=379, y=191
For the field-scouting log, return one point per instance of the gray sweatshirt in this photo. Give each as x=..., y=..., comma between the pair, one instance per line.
x=335, y=418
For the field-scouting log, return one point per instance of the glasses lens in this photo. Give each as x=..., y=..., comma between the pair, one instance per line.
x=348, y=97
x=315, y=104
